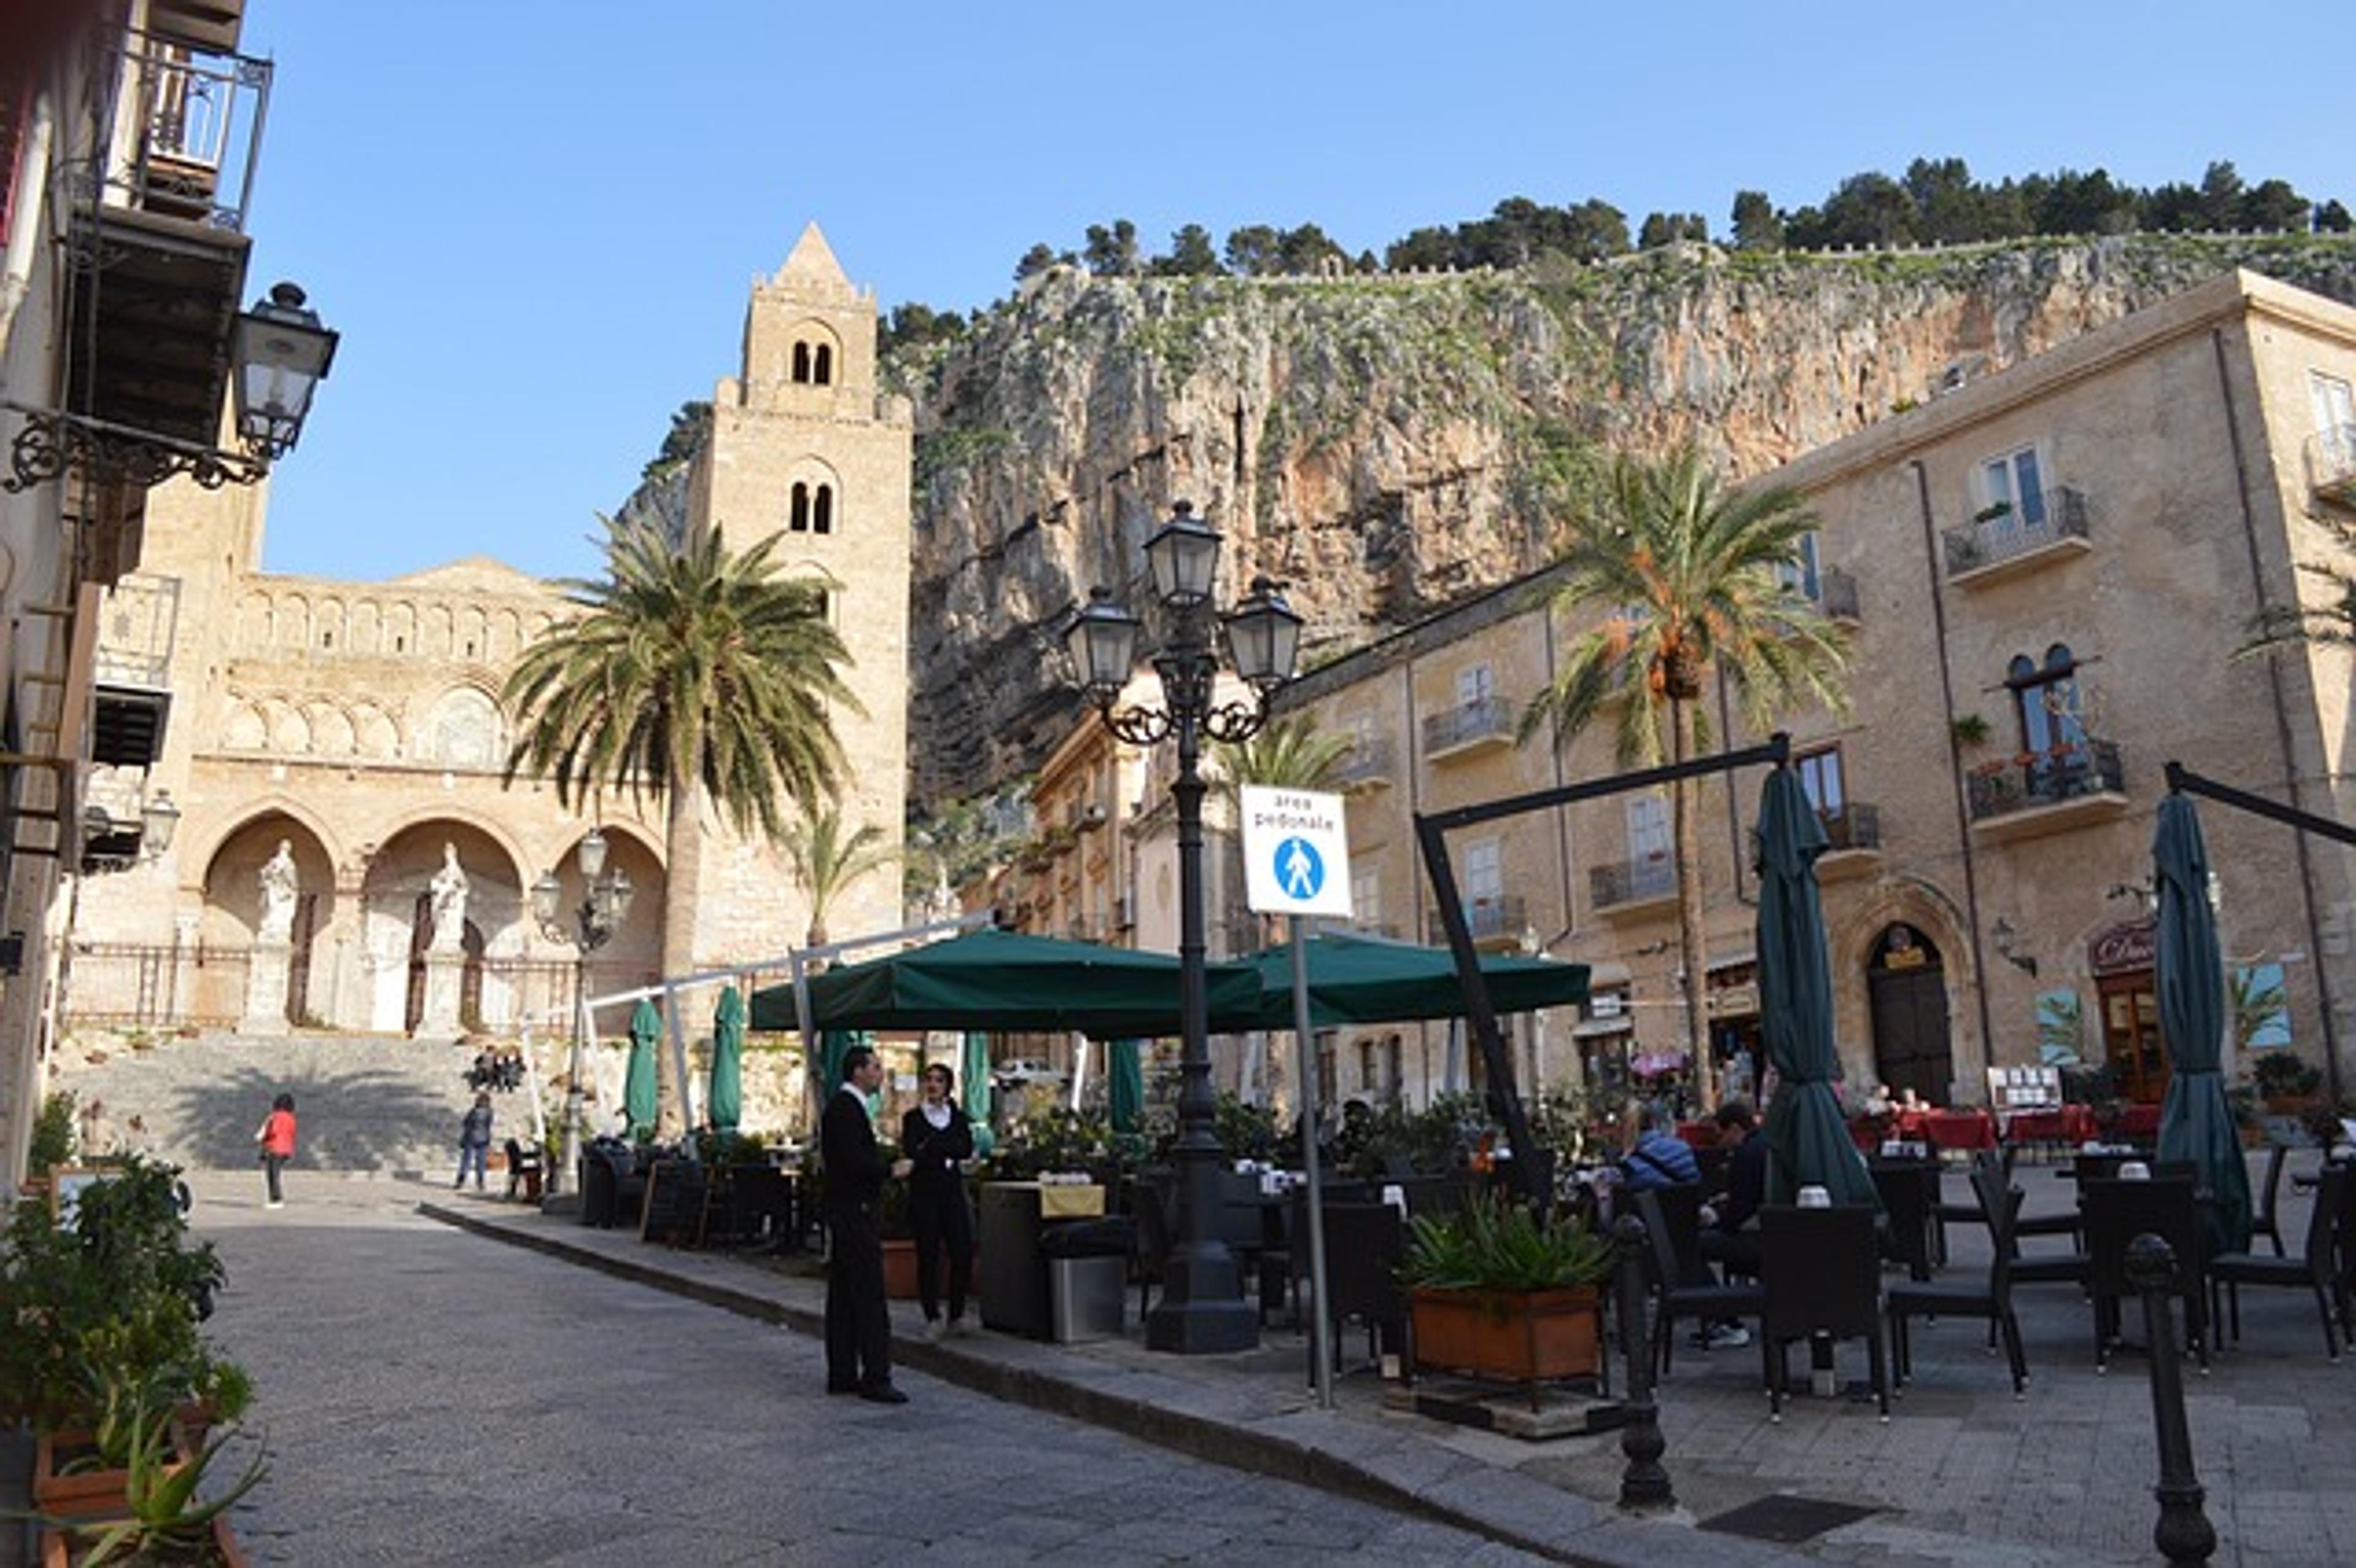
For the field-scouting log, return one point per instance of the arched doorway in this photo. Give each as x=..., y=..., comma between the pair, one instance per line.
x=1908, y=985
x=211, y=990
x=397, y=925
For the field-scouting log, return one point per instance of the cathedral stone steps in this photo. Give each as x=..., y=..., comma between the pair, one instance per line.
x=362, y=1101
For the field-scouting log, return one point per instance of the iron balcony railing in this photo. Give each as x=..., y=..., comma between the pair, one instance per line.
x=136, y=628
x=1482, y=718
x=2045, y=778
x=1990, y=540
x=1369, y=762
x=2331, y=463
x=191, y=132
x=1506, y=914
x=1855, y=825
x=1631, y=882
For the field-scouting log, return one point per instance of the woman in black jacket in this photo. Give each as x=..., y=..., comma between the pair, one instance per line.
x=936, y=1136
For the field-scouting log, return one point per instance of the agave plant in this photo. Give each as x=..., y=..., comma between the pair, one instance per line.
x=168, y=1521
x=1501, y=1247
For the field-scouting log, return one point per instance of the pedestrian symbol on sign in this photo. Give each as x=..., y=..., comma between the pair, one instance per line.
x=1300, y=868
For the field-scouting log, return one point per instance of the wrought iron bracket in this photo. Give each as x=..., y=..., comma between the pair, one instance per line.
x=51, y=443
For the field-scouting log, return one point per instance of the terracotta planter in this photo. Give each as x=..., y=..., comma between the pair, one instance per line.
x=1526, y=1336
x=60, y=1549
x=900, y=1268
x=83, y=1493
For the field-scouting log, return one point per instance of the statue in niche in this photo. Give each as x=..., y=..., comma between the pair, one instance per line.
x=449, y=904
x=279, y=886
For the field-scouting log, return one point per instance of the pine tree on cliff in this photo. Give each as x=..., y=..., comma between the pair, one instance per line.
x=693, y=675
x=1691, y=580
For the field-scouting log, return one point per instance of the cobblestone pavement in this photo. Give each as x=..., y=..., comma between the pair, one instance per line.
x=429, y=1396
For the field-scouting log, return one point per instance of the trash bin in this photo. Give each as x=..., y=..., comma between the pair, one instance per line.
x=1088, y=1278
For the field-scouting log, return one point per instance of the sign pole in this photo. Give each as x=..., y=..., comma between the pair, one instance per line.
x=1321, y=1331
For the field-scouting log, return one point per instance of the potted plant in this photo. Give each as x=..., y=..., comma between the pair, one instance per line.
x=162, y=1519
x=2285, y=1081
x=1495, y=1291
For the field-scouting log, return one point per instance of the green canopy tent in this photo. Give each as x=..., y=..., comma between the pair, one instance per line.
x=974, y=1087
x=1365, y=980
x=639, y=1101
x=726, y=1105
x=2195, y=1123
x=1125, y=1084
x=1001, y=980
x=1807, y=1137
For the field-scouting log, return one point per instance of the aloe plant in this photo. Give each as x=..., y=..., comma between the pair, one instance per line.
x=1495, y=1245
x=167, y=1515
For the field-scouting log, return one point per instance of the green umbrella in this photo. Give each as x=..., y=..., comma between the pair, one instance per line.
x=1806, y=1132
x=1363, y=980
x=833, y=1045
x=639, y=1101
x=2195, y=1123
x=975, y=1075
x=1125, y=1085
x=727, y=1102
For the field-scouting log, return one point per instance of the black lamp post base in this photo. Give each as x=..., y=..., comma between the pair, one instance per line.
x=1202, y=1328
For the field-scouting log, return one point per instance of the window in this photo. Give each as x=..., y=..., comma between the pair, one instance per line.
x=2335, y=407
x=2047, y=696
x=1800, y=574
x=2012, y=483
x=1484, y=873
x=801, y=363
x=1475, y=685
x=1820, y=776
x=822, y=509
x=1366, y=895
x=797, y=508
x=823, y=373
x=1648, y=827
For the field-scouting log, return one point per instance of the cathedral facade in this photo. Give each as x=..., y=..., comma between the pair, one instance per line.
x=358, y=725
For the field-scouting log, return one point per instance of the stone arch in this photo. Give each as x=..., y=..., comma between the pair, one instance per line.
x=290, y=735
x=507, y=637
x=435, y=631
x=395, y=919
x=813, y=497
x=462, y=730
x=1849, y=940
x=367, y=628
x=245, y=729
x=817, y=354
x=293, y=617
x=253, y=621
x=328, y=628
x=331, y=730
x=374, y=734
x=474, y=635
x=401, y=628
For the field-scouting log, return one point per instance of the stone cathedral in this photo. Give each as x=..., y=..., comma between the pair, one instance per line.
x=357, y=724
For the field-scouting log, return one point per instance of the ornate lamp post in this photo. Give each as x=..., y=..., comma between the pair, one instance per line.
x=604, y=904
x=1202, y=1308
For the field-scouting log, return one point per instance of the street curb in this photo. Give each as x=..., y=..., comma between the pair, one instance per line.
x=1236, y=1446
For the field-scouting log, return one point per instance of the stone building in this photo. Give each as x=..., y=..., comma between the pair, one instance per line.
x=2047, y=572
x=358, y=723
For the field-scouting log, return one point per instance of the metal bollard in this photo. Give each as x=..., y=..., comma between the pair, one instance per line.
x=2183, y=1533
x=1644, y=1485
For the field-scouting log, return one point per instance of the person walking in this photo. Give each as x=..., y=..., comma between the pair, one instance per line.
x=858, y=1323
x=474, y=1141
x=276, y=1136
x=935, y=1136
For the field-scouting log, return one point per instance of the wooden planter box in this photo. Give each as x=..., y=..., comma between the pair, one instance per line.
x=1531, y=1337
x=83, y=1493
x=62, y=1549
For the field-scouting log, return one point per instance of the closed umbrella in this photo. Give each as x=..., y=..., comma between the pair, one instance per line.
x=1125, y=1085
x=2195, y=1124
x=833, y=1045
x=726, y=1108
x=1806, y=1131
x=639, y=1101
x=975, y=1075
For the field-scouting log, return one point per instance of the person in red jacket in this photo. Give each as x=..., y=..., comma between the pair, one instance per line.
x=276, y=1137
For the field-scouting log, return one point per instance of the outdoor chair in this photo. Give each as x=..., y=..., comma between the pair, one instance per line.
x=1823, y=1277
x=1991, y=1298
x=763, y=1204
x=1908, y=1190
x=1364, y=1245
x=1681, y=1281
x=2265, y=1223
x=2117, y=1214
x=1149, y=1209
x=2313, y=1268
x=524, y=1170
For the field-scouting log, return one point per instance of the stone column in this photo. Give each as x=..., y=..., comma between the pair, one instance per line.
x=265, y=987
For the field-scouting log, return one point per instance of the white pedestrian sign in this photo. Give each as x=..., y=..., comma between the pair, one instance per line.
x=1296, y=852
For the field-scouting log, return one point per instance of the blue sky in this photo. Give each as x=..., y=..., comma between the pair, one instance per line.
x=535, y=224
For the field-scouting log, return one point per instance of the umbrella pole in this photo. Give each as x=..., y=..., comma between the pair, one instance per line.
x=1321, y=1330
x=679, y=1061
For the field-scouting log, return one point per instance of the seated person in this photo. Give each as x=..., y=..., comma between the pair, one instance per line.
x=1731, y=1229
x=1654, y=1157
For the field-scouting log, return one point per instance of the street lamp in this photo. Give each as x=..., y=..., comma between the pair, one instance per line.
x=1202, y=1308
x=604, y=904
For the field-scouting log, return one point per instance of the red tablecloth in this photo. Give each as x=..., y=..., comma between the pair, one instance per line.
x=2062, y=1125
x=1698, y=1134
x=2139, y=1122
x=1949, y=1129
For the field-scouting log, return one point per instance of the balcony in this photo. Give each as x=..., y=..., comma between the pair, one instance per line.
x=1995, y=548
x=1367, y=766
x=1852, y=841
x=1469, y=727
x=164, y=215
x=1836, y=597
x=1629, y=889
x=1496, y=922
x=2047, y=792
x=2331, y=464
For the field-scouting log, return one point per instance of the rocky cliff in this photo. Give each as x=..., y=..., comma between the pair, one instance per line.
x=1386, y=445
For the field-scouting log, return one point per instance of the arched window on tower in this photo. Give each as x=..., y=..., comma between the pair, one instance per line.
x=797, y=514
x=822, y=510
x=801, y=363
x=824, y=372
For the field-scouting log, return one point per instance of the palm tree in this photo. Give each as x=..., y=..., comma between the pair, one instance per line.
x=690, y=674
x=1290, y=752
x=1693, y=580
x=825, y=862
x=2331, y=623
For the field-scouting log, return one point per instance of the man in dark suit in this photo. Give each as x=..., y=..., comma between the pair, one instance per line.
x=858, y=1325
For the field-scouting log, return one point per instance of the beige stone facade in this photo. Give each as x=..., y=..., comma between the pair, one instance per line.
x=2066, y=553
x=360, y=723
